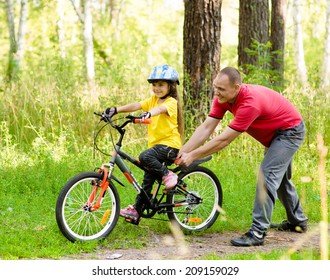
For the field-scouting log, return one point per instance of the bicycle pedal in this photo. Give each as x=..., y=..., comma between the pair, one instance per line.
x=133, y=221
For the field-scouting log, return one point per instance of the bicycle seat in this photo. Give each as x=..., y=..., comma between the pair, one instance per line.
x=192, y=165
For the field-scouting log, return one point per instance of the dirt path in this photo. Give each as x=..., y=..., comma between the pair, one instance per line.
x=176, y=246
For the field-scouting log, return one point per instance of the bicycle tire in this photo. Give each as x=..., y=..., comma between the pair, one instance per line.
x=201, y=212
x=79, y=224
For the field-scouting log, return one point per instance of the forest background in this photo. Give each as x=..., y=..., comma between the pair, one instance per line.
x=47, y=121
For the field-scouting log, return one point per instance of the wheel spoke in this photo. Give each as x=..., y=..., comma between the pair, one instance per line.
x=203, y=194
x=76, y=219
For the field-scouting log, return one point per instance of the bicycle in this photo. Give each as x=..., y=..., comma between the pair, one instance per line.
x=88, y=205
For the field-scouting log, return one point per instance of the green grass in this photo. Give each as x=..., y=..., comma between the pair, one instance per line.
x=33, y=173
x=30, y=189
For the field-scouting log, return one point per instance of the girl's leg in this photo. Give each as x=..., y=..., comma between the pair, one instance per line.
x=142, y=199
x=153, y=159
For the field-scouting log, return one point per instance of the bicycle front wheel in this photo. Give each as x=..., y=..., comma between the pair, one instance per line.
x=75, y=219
x=196, y=207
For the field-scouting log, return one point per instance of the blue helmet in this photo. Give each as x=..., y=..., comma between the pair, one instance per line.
x=164, y=72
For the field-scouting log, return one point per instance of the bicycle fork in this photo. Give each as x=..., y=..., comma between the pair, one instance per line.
x=103, y=186
x=107, y=175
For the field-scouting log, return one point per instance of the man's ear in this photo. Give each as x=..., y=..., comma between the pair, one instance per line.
x=237, y=87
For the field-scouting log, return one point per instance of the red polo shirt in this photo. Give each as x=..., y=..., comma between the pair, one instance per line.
x=259, y=111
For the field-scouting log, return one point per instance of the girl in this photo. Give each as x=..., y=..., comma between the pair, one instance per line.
x=165, y=133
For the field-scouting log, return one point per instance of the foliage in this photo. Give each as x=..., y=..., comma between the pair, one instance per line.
x=261, y=73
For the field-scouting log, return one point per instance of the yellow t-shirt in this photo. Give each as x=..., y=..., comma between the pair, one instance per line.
x=164, y=127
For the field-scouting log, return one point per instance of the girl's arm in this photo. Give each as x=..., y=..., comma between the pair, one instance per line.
x=157, y=110
x=129, y=107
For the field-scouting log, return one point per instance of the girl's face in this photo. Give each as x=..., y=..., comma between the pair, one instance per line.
x=160, y=88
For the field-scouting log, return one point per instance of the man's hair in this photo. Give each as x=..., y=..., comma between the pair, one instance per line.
x=233, y=75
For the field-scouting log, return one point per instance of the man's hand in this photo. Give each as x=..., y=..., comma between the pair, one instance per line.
x=184, y=159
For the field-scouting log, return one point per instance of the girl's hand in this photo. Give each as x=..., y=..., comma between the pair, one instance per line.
x=145, y=115
x=110, y=112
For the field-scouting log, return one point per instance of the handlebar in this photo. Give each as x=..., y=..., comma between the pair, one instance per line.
x=131, y=119
x=144, y=121
x=119, y=128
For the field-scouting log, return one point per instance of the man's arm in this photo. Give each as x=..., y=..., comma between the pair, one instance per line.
x=215, y=145
x=201, y=134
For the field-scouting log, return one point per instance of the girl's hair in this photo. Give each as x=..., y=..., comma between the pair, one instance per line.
x=173, y=92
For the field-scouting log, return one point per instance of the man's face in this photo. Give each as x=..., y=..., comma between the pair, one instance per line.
x=225, y=91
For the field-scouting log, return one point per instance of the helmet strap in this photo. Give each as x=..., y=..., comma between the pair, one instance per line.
x=165, y=96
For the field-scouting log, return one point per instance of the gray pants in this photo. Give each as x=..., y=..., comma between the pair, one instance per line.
x=274, y=180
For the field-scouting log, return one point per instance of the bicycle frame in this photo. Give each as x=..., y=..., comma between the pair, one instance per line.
x=117, y=158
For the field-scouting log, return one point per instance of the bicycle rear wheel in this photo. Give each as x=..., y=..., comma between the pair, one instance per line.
x=197, y=208
x=78, y=222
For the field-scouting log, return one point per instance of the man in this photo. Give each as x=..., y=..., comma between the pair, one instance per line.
x=273, y=121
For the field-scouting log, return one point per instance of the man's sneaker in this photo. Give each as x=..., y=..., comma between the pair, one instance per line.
x=129, y=213
x=170, y=180
x=287, y=226
x=249, y=239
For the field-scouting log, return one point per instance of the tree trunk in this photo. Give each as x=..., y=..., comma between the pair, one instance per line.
x=201, y=55
x=60, y=29
x=326, y=59
x=97, y=46
x=277, y=37
x=16, y=49
x=112, y=11
x=12, y=63
x=88, y=41
x=253, y=24
x=298, y=39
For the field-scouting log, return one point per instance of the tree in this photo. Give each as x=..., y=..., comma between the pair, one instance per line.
x=277, y=37
x=16, y=49
x=326, y=59
x=201, y=54
x=253, y=25
x=255, y=32
x=88, y=41
x=96, y=45
x=299, y=44
x=60, y=28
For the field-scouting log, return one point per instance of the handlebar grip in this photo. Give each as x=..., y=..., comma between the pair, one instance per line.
x=142, y=121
